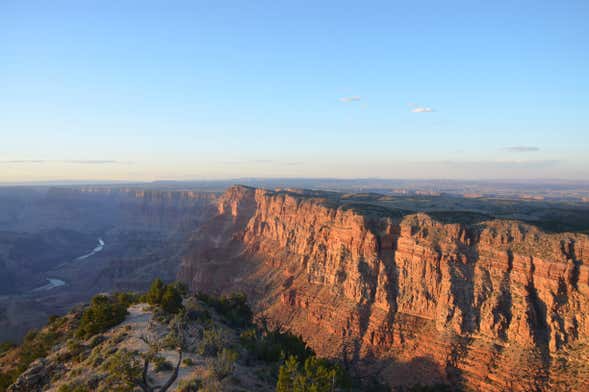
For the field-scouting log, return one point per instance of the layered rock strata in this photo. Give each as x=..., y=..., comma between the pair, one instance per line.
x=495, y=305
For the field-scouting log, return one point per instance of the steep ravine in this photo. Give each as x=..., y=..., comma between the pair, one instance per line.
x=493, y=306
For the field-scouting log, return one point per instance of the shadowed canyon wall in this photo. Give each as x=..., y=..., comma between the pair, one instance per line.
x=44, y=231
x=495, y=305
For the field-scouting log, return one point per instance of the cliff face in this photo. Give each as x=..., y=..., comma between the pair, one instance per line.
x=138, y=208
x=494, y=305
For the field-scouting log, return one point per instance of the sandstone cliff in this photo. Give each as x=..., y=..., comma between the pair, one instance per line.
x=491, y=305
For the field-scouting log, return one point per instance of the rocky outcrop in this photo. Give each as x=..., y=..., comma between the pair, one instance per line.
x=495, y=305
x=36, y=377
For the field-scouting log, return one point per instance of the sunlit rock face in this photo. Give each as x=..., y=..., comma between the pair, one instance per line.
x=495, y=305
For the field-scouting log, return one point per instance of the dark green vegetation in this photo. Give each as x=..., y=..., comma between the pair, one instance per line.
x=6, y=379
x=295, y=365
x=233, y=308
x=274, y=345
x=103, y=313
x=168, y=297
x=314, y=375
x=123, y=368
x=5, y=347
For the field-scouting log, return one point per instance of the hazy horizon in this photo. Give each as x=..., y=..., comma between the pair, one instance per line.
x=390, y=182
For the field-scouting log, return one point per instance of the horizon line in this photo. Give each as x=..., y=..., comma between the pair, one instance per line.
x=236, y=180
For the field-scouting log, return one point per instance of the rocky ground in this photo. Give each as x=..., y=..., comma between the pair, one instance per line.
x=81, y=364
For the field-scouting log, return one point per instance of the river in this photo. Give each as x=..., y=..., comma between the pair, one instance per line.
x=54, y=282
x=98, y=248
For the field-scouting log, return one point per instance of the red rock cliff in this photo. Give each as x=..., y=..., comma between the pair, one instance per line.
x=497, y=305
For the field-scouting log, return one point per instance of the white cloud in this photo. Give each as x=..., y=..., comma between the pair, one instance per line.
x=422, y=109
x=350, y=99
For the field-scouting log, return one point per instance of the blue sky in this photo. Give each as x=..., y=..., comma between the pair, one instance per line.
x=147, y=90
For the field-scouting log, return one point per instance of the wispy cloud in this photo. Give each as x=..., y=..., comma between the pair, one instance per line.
x=422, y=109
x=540, y=163
x=521, y=149
x=263, y=162
x=98, y=162
x=72, y=161
x=354, y=98
x=20, y=161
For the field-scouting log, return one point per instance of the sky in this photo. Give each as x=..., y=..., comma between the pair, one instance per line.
x=178, y=90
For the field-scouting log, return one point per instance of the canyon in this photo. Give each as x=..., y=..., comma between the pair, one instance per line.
x=407, y=289
x=87, y=240
x=464, y=299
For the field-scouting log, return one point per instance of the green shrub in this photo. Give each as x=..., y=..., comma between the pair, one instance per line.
x=7, y=379
x=127, y=298
x=195, y=311
x=160, y=364
x=316, y=375
x=156, y=291
x=167, y=297
x=181, y=288
x=188, y=362
x=287, y=375
x=161, y=316
x=233, y=308
x=171, y=301
x=103, y=313
x=123, y=368
x=213, y=340
x=222, y=365
x=271, y=346
x=75, y=350
x=6, y=346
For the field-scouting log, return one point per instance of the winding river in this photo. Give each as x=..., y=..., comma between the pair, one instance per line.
x=54, y=282
x=98, y=248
